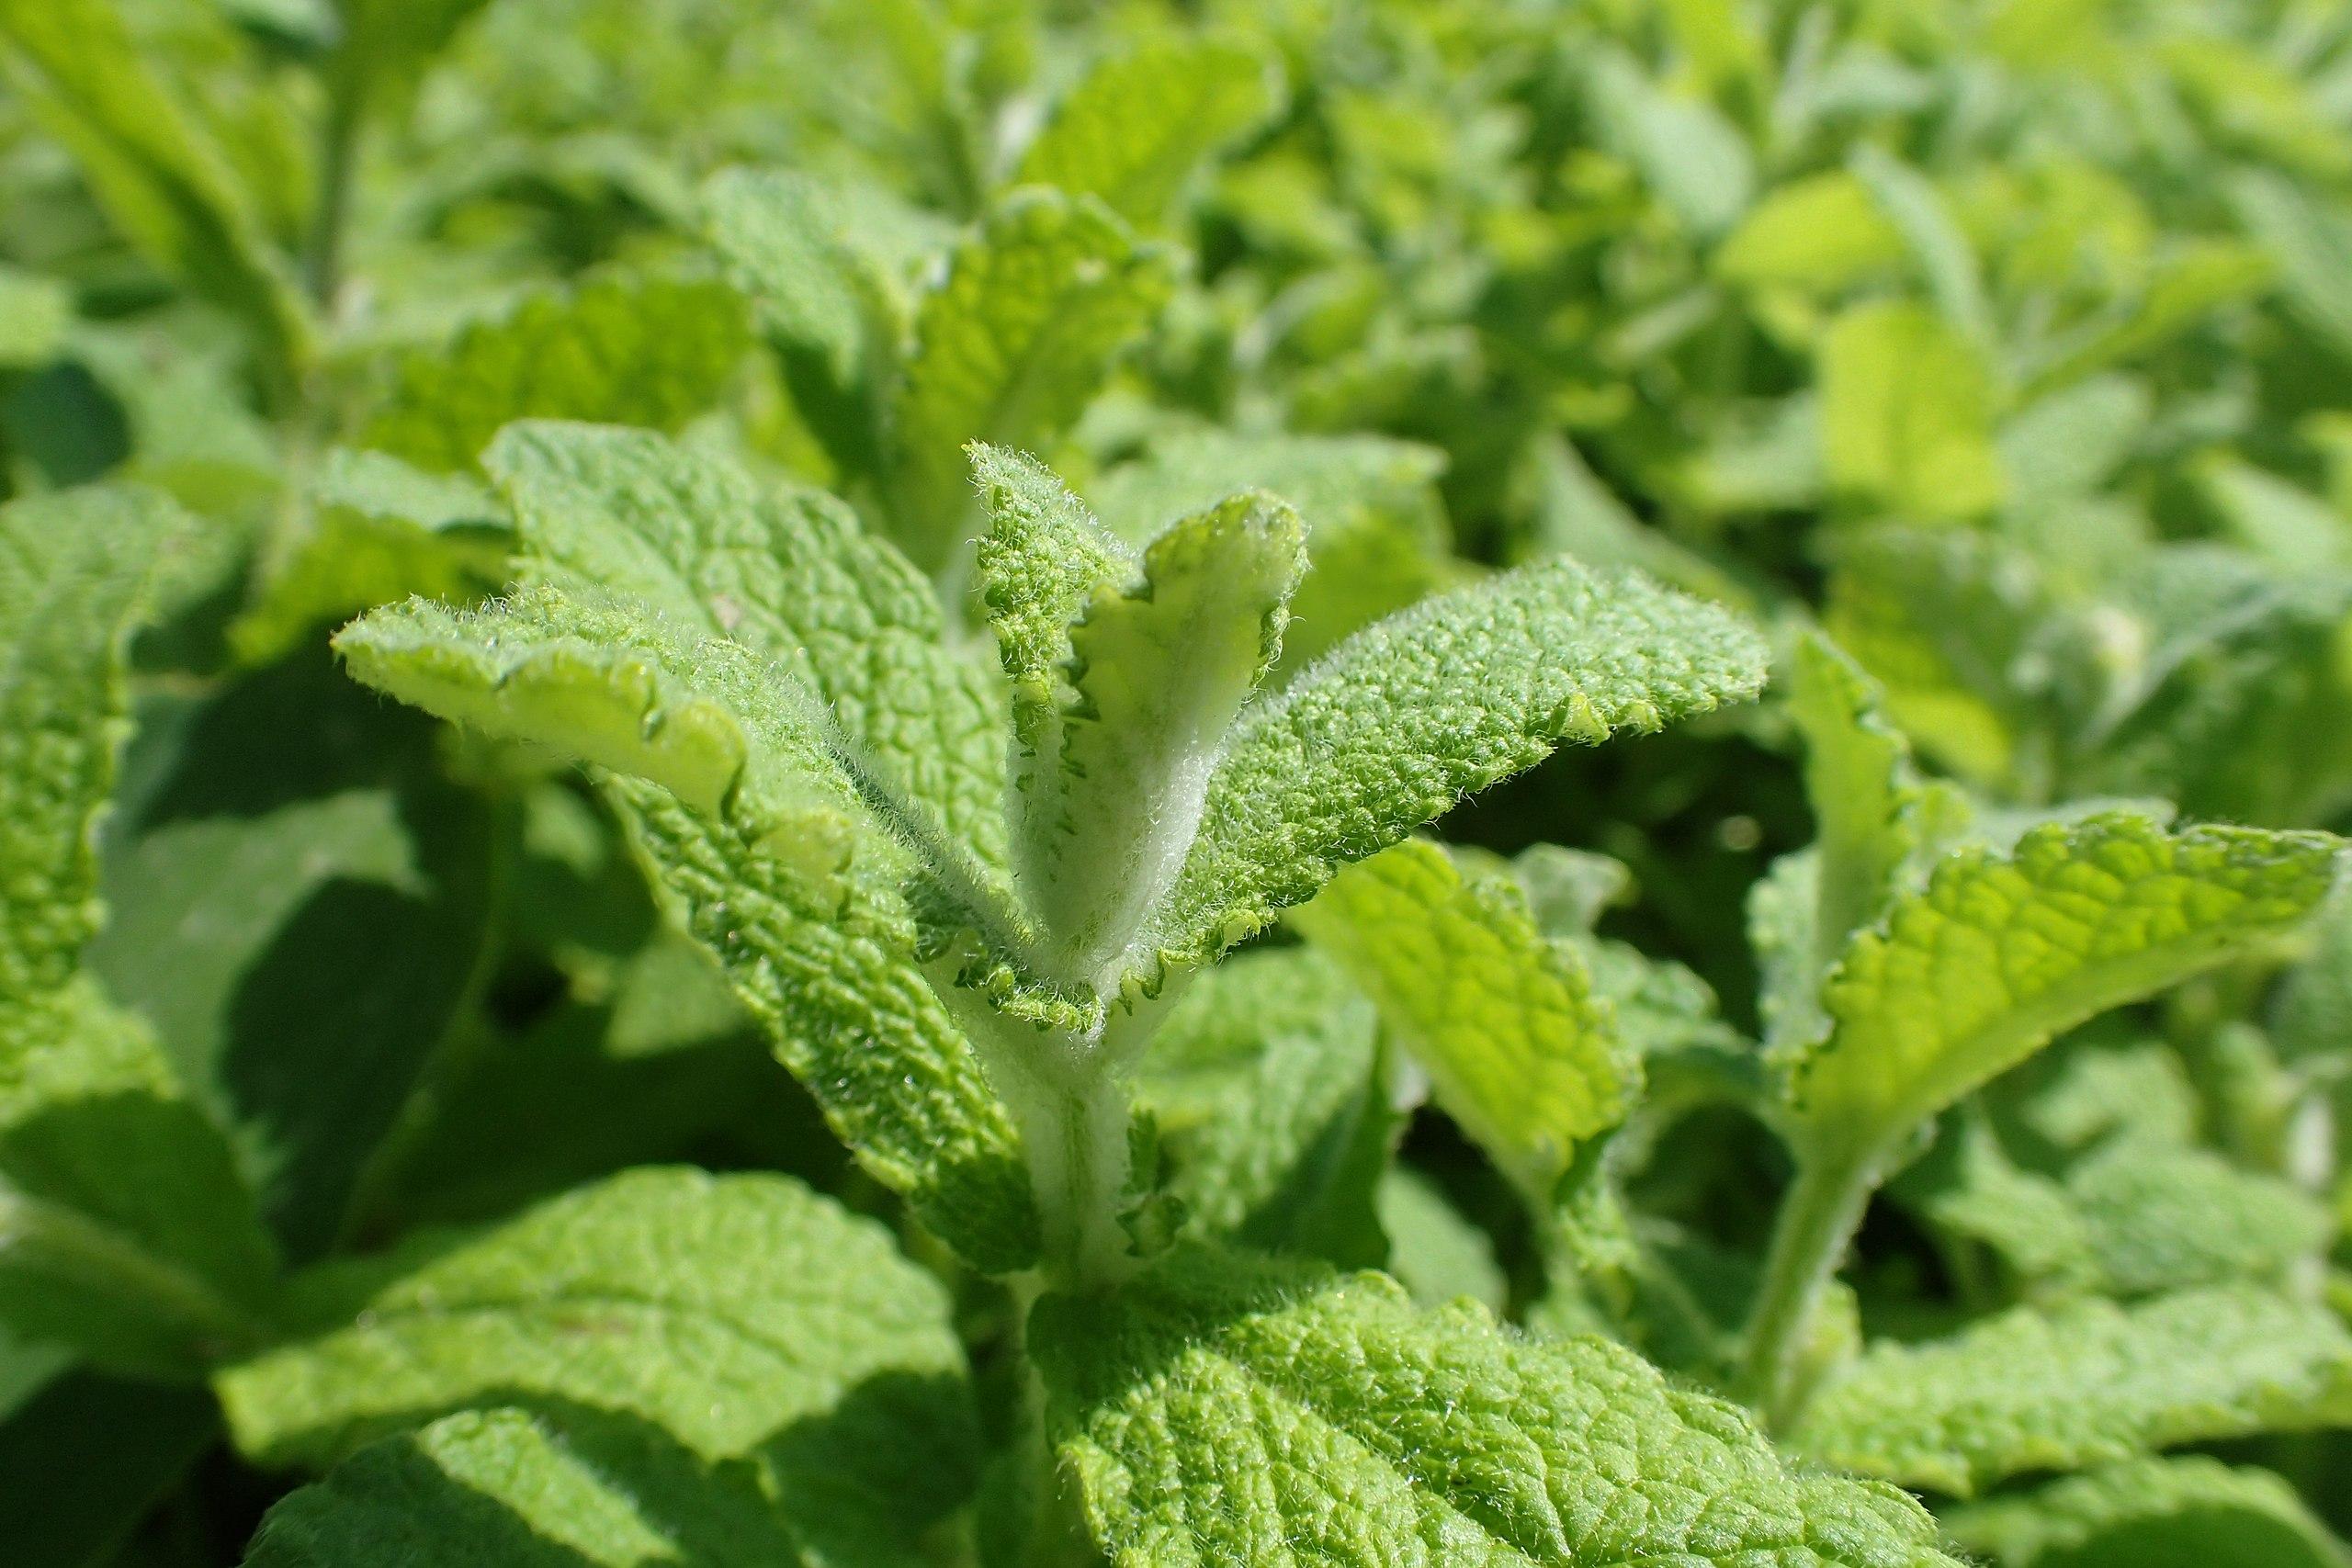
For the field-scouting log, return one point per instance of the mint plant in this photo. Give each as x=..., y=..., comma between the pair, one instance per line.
x=629, y=936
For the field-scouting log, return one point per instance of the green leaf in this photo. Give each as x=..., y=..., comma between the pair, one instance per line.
x=828, y=264
x=1011, y=348
x=1502, y=1019
x=151, y=161
x=2159, y=1218
x=1823, y=234
x=125, y=1231
x=35, y=313
x=2190, y=1512
x=1042, y=557
x=1876, y=817
x=742, y=1317
x=385, y=46
x=278, y=908
x=1693, y=160
x=2083, y=1383
x=1227, y=1409
x=788, y=573
x=1268, y=1085
x=1931, y=233
x=1134, y=131
x=1907, y=414
x=704, y=719
x=1433, y=1251
x=379, y=531
x=1405, y=718
x=1999, y=952
x=1378, y=538
x=831, y=975
x=75, y=570
x=621, y=348
x=508, y=1489
x=1108, y=797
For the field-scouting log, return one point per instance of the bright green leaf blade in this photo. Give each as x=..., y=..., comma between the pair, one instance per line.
x=1225, y=1409
x=1502, y=1019
x=125, y=1230
x=379, y=531
x=1821, y=233
x=2000, y=952
x=1402, y=721
x=621, y=348
x=150, y=161
x=1133, y=133
x=2190, y=1512
x=1266, y=1082
x=785, y=572
x=1159, y=667
x=1907, y=414
x=1042, y=558
x=506, y=1489
x=1009, y=348
x=2080, y=1384
x=35, y=313
x=742, y=1317
x=75, y=570
x=830, y=974
x=702, y=718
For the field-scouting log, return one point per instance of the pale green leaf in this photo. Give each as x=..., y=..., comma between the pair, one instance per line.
x=1134, y=130
x=1823, y=234
x=1931, y=233
x=2190, y=1512
x=831, y=975
x=606, y=684
x=1403, y=719
x=771, y=862
x=787, y=573
x=1433, y=1250
x=1693, y=160
x=1874, y=814
x=1907, y=414
x=1999, y=952
x=622, y=348
x=1378, y=538
x=2159, y=1218
x=75, y=570
x=379, y=531
x=1502, y=1019
x=2083, y=1383
x=507, y=1489
x=745, y=1317
x=1225, y=1409
x=35, y=313
x=1010, y=349
x=828, y=264
x=1109, y=794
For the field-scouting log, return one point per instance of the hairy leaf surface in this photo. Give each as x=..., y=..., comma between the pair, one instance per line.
x=1224, y=1409
x=2079, y=1384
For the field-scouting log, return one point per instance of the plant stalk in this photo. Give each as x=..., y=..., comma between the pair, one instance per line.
x=1817, y=1222
x=338, y=168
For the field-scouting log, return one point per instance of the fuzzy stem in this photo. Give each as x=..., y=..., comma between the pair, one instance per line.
x=1817, y=1222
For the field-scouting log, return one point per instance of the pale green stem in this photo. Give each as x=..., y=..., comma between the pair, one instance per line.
x=1817, y=1222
